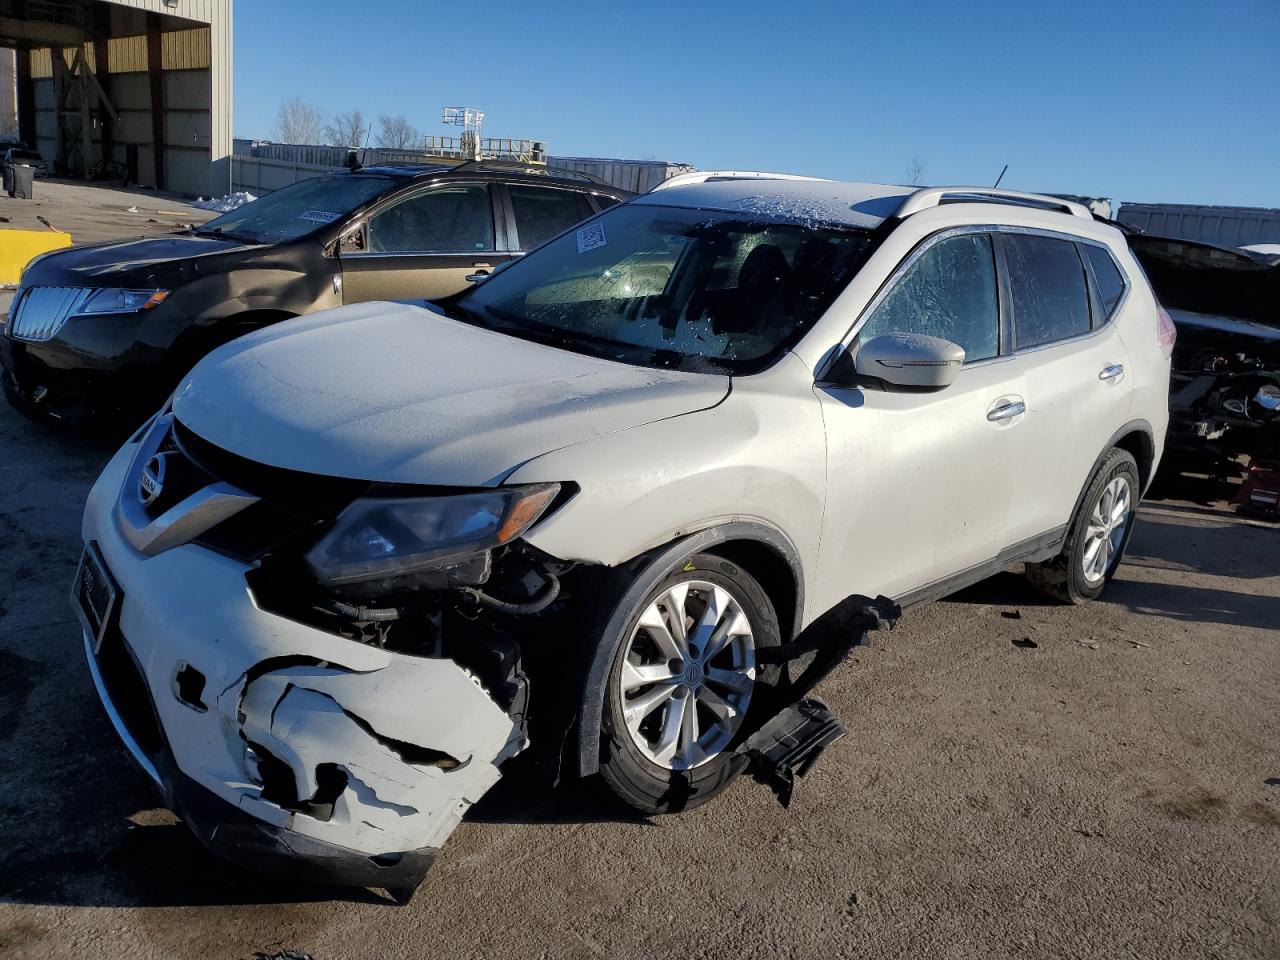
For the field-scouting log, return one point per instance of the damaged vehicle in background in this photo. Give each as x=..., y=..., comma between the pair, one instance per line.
x=110, y=328
x=603, y=504
x=1225, y=393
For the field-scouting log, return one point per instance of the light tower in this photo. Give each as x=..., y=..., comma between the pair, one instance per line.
x=470, y=120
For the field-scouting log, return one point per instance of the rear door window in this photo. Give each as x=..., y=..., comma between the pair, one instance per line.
x=1107, y=276
x=948, y=292
x=1047, y=289
x=455, y=218
x=542, y=213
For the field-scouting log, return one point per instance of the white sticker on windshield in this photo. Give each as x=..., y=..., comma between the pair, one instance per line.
x=319, y=216
x=589, y=238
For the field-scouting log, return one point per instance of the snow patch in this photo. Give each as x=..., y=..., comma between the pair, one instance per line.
x=1266, y=249
x=225, y=204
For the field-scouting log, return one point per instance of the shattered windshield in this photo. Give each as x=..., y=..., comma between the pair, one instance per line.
x=299, y=209
x=672, y=287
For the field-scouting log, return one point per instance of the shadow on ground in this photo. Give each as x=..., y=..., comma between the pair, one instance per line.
x=98, y=837
x=1231, y=547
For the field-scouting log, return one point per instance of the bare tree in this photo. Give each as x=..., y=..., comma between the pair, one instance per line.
x=915, y=172
x=298, y=122
x=347, y=130
x=397, y=132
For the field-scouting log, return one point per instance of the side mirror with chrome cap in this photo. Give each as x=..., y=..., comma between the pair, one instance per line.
x=909, y=361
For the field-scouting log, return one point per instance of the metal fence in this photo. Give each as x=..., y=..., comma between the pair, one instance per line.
x=262, y=167
x=638, y=176
x=433, y=148
x=260, y=175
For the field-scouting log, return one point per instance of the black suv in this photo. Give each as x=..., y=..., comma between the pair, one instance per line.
x=114, y=326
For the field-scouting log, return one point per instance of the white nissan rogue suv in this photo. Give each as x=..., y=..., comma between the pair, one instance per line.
x=364, y=557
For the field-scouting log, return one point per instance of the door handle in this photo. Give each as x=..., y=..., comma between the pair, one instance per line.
x=1006, y=409
x=476, y=277
x=1113, y=371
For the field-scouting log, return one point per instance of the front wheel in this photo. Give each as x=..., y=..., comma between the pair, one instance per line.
x=1098, y=535
x=682, y=683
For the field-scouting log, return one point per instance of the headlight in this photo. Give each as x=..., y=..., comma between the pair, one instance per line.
x=379, y=537
x=116, y=300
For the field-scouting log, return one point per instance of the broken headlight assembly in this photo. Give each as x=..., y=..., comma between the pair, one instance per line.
x=391, y=541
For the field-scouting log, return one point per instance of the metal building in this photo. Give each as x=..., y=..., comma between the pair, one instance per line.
x=141, y=89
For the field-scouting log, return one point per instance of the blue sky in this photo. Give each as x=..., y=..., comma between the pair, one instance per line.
x=1175, y=101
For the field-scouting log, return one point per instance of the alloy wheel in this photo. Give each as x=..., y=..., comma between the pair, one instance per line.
x=1105, y=533
x=687, y=675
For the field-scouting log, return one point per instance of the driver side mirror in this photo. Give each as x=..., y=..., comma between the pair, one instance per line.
x=905, y=361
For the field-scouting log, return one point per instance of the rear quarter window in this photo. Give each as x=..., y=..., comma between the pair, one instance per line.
x=1107, y=276
x=1048, y=289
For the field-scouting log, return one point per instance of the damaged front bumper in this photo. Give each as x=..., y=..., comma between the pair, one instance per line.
x=284, y=747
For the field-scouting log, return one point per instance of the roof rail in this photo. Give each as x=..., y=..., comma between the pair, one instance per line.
x=499, y=165
x=933, y=196
x=702, y=176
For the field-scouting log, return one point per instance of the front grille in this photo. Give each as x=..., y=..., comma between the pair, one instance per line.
x=309, y=495
x=39, y=312
x=292, y=503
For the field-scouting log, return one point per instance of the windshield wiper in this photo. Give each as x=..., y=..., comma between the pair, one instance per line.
x=224, y=234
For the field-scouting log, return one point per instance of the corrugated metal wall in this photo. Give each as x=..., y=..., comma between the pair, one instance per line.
x=1219, y=226
x=202, y=11
x=179, y=50
x=185, y=49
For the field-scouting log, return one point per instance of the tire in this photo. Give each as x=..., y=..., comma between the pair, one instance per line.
x=632, y=764
x=1081, y=570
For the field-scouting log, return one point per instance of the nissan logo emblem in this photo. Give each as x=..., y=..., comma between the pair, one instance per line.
x=151, y=483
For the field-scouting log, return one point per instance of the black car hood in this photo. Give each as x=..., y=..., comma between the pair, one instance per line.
x=145, y=262
x=1203, y=279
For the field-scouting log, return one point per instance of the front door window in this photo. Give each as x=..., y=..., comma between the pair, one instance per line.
x=457, y=218
x=948, y=292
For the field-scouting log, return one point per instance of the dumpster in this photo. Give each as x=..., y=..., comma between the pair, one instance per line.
x=18, y=180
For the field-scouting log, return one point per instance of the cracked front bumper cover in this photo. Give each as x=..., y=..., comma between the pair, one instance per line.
x=246, y=841
x=373, y=756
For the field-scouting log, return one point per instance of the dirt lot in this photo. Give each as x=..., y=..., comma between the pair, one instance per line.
x=1112, y=791
x=91, y=213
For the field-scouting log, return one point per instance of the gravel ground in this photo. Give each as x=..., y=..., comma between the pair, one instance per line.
x=1112, y=791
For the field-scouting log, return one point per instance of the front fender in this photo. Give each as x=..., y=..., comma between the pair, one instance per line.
x=759, y=456
x=293, y=290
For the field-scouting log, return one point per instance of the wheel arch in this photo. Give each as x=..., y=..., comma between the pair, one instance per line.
x=1137, y=438
x=761, y=549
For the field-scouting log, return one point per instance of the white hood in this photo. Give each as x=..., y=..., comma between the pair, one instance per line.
x=400, y=394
